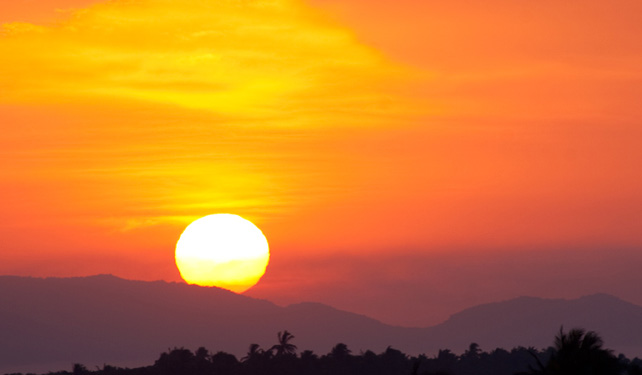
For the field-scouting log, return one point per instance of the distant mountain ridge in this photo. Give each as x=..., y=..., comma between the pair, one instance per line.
x=531, y=321
x=49, y=324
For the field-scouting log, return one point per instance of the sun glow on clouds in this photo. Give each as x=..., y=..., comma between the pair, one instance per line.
x=160, y=111
x=250, y=58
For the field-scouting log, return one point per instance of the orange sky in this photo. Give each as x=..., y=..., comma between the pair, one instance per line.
x=433, y=154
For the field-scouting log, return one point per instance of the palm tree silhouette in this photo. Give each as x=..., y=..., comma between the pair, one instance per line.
x=579, y=352
x=253, y=353
x=284, y=347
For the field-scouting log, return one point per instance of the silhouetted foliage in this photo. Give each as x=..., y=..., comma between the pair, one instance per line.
x=79, y=369
x=284, y=347
x=574, y=353
x=581, y=353
x=254, y=353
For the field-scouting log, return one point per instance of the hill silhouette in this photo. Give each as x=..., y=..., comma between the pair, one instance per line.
x=532, y=321
x=48, y=324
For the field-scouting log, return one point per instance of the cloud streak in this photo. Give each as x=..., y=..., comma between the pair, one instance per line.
x=267, y=60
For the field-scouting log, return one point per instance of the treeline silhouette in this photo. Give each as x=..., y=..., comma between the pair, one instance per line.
x=576, y=352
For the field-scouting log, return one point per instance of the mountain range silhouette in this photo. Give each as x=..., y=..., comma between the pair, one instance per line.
x=47, y=324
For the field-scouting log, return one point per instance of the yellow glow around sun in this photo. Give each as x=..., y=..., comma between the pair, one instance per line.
x=222, y=250
x=196, y=106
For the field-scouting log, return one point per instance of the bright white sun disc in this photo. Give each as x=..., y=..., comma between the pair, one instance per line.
x=222, y=250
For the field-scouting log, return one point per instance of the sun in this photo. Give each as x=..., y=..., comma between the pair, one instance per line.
x=222, y=250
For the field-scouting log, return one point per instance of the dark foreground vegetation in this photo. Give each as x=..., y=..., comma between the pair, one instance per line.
x=573, y=353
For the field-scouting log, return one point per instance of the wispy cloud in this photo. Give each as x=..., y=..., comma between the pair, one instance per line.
x=179, y=108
